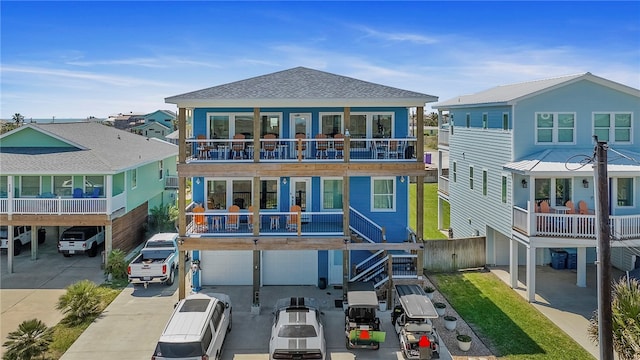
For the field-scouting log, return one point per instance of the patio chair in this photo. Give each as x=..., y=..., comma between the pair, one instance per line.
x=321, y=146
x=77, y=193
x=270, y=146
x=583, y=209
x=338, y=145
x=393, y=153
x=199, y=221
x=202, y=147
x=572, y=208
x=233, y=219
x=545, y=207
x=292, y=219
x=237, y=147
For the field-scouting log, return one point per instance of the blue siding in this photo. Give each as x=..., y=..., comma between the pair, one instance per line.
x=323, y=264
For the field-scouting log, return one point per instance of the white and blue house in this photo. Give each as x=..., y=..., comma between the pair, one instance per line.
x=520, y=163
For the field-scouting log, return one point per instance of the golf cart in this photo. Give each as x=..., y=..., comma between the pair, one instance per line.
x=362, y=326
x=411, y=319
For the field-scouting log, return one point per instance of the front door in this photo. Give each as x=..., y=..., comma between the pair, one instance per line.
x=335, y=267
x=301, y=195
x=300, y=126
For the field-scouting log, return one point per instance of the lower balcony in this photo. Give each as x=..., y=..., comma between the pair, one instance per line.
x=574, y=226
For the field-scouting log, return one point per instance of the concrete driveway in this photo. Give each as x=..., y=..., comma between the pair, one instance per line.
x=34, y=287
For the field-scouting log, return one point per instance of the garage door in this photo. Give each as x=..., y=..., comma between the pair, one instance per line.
x=226, y=267
x=284, y=267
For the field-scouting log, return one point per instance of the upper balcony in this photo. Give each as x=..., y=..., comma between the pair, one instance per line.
x=301, y=150
x=443, y=136
x=62, y=205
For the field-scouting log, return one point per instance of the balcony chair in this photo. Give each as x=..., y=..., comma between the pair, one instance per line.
x=233, y=219
x=395, y=151
x=199, y=221
x=292, y=219
x=77, y=193
x=237, y=147
x=572, y=208
x=338, y=146
x=545, y=207
x=269, y=147
x=203, y=147
x=321, y=146
x=583, y=209
x=380, y=149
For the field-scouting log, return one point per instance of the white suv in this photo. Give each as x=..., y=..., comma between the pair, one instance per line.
x=21, y=236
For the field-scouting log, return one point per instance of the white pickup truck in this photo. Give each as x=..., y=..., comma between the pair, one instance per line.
x=157, y=261
x=81, y=240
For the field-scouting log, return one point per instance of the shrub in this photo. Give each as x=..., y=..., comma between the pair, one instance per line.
x=116, y=265
x=81, y=302
x=31, y=340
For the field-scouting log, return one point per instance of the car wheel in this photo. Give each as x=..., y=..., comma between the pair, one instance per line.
x=17, y=247
x=93, y=251
x=172, y=275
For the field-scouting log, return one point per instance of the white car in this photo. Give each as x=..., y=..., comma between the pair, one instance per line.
x=297, y=331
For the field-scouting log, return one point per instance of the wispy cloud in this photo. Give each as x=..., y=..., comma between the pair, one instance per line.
x=162, y=62
x=398, y=36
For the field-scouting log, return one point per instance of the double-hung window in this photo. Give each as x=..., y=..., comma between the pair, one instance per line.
x=383, y=194
x=134, y=178
x=470, y=177
x=468, y=120
x=331, y=193
x=161, y=169
x=505, y=121
x=484, y=182
x=555, y=128
x=504, y=189
x=625, y=191
x=485, y=121
x=454, y=170
x=613, y=127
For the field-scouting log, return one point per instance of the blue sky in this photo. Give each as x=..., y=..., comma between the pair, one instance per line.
x=94, y=58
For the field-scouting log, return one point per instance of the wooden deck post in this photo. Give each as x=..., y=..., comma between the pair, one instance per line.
x=182, y=203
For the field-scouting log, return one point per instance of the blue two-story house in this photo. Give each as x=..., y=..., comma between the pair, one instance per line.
x=521, y=171
x=292, y=171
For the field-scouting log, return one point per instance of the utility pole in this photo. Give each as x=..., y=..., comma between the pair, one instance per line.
x=605, y=322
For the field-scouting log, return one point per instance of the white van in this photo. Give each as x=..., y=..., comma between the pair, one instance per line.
x=197, y=329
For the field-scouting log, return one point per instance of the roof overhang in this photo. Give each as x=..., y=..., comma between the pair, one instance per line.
x=272, y=103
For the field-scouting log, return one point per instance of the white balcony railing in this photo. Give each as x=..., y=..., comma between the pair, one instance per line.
x=443, y=136
x=62, y=206
x=578, y=226
x=443, y=184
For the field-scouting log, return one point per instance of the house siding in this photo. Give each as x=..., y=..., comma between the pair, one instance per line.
x=30, y=138
x=470, y=210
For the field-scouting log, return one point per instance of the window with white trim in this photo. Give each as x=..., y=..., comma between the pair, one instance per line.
x=471, y=177
x=505, y=121
x=331, y=189
x=331, y=124
x=624, y=192
x=161, y=169
x=29, y=186
x=485, y=120
x=504, y=189
x=222, y=193
x=555, y=128
x=484, y=182
x=468, y=120
x=613, y=127
x=454, y=170
x=134, y=178
x=371, y=125
x=383, y=194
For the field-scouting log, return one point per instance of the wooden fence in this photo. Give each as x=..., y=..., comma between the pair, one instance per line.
x=454, y=254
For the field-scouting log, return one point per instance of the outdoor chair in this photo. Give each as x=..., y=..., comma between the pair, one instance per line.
x=233, y=219
x=269, y=146
x=237, y=147
x=77, y=193
x=321, y=146
x=338, y=145
x=199, y=221
x=292, y=219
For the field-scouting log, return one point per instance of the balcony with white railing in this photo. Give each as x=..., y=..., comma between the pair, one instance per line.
x=301, y=150
x=443, y=136
x=62, y=205
x=443, y=184
x=574, y=226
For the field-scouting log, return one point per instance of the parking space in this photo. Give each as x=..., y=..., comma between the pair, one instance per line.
x=34, y=287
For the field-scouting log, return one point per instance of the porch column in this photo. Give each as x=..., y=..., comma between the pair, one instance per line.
x=34, y=243
x=256, y=136
x=513, y=263
x=346, y=259
x=10, y=247
x=182, y=203
x=440, y=214
x=531, y=273
x=581, y=280
x=255, y=202
x=347, y=139
x=108, y=194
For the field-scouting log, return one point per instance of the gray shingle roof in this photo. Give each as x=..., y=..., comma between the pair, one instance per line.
x=554, y=161
x=102, y=150
x=505, y=94
x=301, y=86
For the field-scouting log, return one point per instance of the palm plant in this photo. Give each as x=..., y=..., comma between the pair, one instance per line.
x=80, y=302
x=625, y=311
x=116, y=265
x=31, y=340
x=18, y=119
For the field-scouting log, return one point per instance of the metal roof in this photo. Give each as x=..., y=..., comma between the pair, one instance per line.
x=93, y=149
x=300, y=86
x=508, y=94
x=415, y=302
x=620, y=162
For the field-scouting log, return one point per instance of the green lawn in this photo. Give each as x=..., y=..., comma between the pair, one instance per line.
x=507, y=324
x=431, y=230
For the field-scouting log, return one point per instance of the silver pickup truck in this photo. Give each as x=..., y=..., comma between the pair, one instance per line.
x=157, y=261
x=81, y=240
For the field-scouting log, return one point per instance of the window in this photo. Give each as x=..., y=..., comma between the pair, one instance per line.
x=505, y=121
x=241, y=193
x=62, y=185
x=217, y=194
x=485, y=121
x=95, y=182
x=269, y=124
x=471, y=177
x=454, y=170
x=221, y=194
x=331, y=194
x=269, y=194
x=468, y=120
x=218, y=126
x=367, y=125
x=29, y=186
x=504, y=189
x=563, y=191
x=542, y=187
x=161, y=169
x=3, y=186
x=383, y=194
x=617, y=132
x=625, y=192
x=134, y=178
x=218, y=312
x=556, y=128
x=484, y=182
x=330, y=124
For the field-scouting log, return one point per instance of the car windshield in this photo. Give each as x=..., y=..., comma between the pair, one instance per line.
x=159, y=244
x=297, y=331
x=179, y=350
x=155, y=254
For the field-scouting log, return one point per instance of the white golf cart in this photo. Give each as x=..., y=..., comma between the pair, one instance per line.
x=362, y=325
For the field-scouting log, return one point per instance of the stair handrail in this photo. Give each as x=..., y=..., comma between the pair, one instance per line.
x=370, y=269
x=364, y=262
x=376, y=236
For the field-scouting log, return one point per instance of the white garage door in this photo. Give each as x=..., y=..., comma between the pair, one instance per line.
x=226, y=267
x=295, y=267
